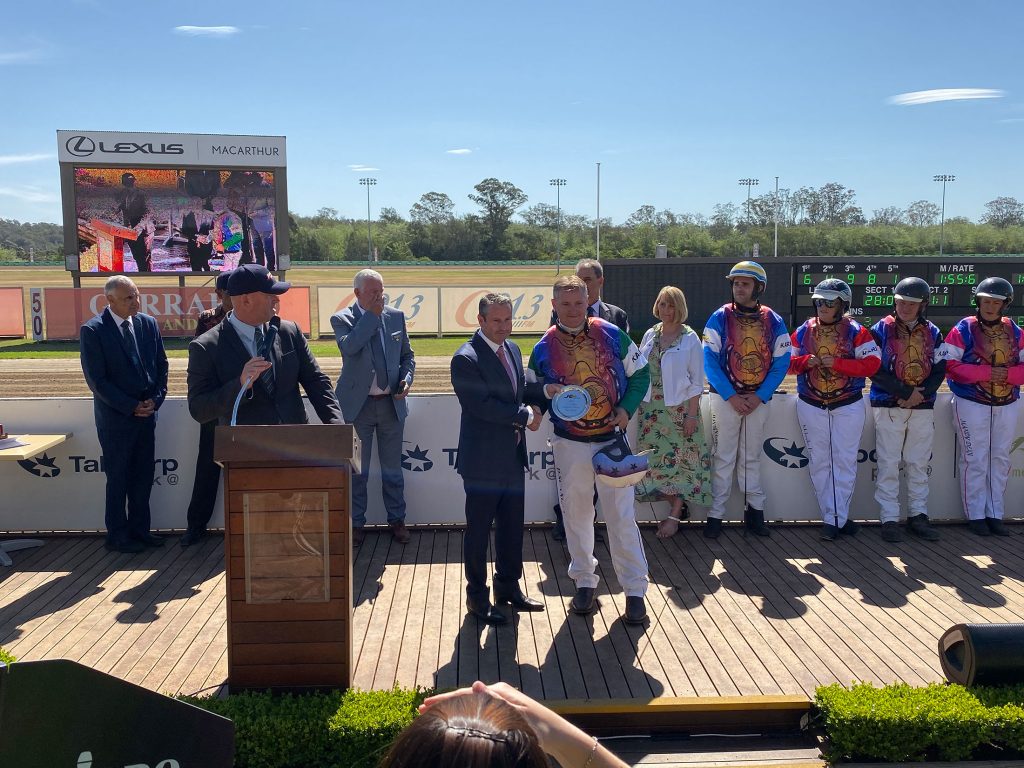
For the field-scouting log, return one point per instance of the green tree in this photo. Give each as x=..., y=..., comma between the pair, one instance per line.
x=1004, y=212
x=433, y=208
x=498, y=201
x=922, y=213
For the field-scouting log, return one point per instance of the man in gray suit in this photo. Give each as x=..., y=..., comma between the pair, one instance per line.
x=376, y=374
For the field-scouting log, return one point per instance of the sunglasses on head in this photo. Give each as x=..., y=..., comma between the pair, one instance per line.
x=826, y=302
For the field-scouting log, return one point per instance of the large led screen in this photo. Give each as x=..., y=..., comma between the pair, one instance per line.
x=184, y=220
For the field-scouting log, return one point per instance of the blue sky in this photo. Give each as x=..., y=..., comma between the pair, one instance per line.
x=676, y=100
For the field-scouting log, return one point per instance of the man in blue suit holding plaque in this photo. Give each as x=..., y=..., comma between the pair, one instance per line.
x=125, y=366
x=376, y=373
x=489, y=380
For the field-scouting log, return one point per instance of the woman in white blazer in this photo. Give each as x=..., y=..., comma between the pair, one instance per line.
x=670, y=425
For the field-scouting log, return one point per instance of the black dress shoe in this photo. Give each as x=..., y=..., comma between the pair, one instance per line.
x=485, y=612
x=636, y=611
x=996, y=527
x=583, y=602
x=192, y=536
x=517, y=600
x=128, y=547
x=149, y=540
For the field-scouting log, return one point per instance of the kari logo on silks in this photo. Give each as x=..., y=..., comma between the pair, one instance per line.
x=789, y=456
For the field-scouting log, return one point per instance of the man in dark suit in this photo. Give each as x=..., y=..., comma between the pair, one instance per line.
x=591, y=272
x=196, y=228
x=488, y=377
x=253, y=348
x=126, y=368
x=376, y=373
x=207, y=480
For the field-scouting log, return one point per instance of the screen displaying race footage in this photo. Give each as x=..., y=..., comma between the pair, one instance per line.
x=186, y=220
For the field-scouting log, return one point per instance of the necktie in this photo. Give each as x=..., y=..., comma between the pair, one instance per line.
x=591, y=312
x=380, y=363
x=512, y=378
x=130, y=348
x=261, y=351
x=508, y=368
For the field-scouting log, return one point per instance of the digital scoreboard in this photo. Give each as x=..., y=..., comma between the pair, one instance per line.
x=953, y=283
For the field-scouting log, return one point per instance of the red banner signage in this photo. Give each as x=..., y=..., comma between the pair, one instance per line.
x=176, y=310
x=12, y=312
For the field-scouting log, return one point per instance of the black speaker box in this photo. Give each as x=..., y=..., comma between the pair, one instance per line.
x=60, y=713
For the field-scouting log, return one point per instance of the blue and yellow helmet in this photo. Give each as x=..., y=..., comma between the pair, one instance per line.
x=749, y=269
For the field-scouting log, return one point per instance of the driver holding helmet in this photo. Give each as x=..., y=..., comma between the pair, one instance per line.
x=598, y=356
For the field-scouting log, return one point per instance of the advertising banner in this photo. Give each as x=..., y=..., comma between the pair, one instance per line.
x=63, y=489
x=12, y=312
x=531, y=308
x=176, y=309
x=117, y=148
x=457, y=306
x=418, y=302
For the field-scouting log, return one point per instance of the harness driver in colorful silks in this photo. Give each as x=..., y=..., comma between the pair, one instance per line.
x=902, y=401
x=832, y=354
x=985, y=371
x=746, y=355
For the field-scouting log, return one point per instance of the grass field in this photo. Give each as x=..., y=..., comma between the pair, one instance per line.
x=422, y=346
x=51, y=277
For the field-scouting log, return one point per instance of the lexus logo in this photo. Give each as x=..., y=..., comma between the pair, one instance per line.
x=80, y=146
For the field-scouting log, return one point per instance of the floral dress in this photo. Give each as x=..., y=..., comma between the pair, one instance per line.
x=679, y=465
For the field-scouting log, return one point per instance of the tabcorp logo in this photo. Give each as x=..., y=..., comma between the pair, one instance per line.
x=41, y=466
x=80, y=146
x=790, y=456
x=416, y=460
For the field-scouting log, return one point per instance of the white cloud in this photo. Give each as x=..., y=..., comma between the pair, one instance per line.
x=359, y=167
x=28, y=194
x=207, y=31
x=13, y=159
x=462, y=151
x=944, y=94
x=17, y=57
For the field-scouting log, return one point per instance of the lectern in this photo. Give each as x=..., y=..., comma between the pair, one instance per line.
x=288, y=553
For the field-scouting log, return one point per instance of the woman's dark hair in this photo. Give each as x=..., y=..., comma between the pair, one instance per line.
x=472, y=731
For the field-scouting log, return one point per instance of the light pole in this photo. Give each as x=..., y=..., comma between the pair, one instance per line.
x=776, y=254
x=368, y=182
x=558, y=184
x=943, y=177
x=748, y=183
x=598, y=211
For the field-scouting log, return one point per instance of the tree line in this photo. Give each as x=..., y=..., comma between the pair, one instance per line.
x=813, y=222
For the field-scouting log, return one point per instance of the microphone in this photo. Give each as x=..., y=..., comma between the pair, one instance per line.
x=238, y=400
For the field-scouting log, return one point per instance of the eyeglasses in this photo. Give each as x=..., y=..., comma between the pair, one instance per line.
x=826, y=302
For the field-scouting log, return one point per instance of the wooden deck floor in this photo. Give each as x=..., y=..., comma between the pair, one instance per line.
x=736, y=616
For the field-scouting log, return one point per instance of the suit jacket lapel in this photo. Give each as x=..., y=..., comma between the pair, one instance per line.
x=490, y=360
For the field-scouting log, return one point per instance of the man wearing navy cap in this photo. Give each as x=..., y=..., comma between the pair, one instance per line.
x=254, y=349
x=204, y=489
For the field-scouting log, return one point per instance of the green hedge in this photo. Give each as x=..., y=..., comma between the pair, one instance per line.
x=321, y=730
x=898, y=723
x=5, y=657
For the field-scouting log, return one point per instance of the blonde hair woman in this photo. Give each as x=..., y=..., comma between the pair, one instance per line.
x=670, y=425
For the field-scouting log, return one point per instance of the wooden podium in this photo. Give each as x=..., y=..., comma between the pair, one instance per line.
x=288, y=553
